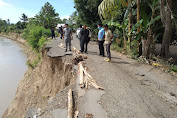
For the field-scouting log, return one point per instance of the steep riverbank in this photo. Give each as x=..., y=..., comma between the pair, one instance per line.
x=41, y=84
x=14, y=36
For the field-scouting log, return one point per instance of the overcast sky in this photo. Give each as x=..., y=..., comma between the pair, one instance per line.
x=12, y=9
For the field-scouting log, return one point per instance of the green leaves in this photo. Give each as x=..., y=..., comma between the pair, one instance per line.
x=108, y=8
x=154, y=20
x=47, y=17
x=24, y=17
x=36, y=36
x=88, y=11
x=138, y=24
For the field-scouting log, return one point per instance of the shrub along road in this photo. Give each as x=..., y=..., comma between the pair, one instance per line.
x=131, y=90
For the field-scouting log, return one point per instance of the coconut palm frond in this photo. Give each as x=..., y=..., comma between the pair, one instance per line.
x=105, y=8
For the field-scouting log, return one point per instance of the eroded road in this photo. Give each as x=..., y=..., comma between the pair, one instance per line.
x=132, y=90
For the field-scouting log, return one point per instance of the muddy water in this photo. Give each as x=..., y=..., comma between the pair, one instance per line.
x=12, y=69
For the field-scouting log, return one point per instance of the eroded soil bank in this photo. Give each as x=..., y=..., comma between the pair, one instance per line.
x=41, y=84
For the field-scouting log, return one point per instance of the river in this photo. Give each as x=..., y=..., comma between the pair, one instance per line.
x=12, y=69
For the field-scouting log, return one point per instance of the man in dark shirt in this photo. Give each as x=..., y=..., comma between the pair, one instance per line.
x=84, y=39
x=61, y=31
x=53, y=33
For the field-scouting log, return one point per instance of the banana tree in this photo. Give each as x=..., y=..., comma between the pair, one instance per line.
x=148, y=29
x=106, y=8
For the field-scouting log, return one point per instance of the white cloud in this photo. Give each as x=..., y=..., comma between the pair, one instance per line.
x=2, y=4
x=14, y=13
x=62, y=17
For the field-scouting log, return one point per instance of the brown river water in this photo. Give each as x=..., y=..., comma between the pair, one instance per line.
x=12, y=69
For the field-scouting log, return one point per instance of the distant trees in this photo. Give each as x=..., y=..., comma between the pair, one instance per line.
x=24, y=17
x=88, y=11
x=47, y=17
x=8, y=21
x=64, y=20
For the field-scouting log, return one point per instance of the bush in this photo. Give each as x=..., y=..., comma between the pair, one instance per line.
x=173, y=69
x=133, y=50
x=36, y=36
x=116, y=47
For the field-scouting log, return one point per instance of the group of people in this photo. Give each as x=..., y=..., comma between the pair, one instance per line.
x=105, y=36
x=83, y=36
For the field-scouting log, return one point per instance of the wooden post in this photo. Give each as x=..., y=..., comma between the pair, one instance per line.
x=81, y=73
x=70, y=104
x=91, y=80
x=86, y=80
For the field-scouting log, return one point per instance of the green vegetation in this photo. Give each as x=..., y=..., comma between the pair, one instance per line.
x=146, y=21
x=34, y=30
x=137, y=24
x=36, y=36
x=33, y=64
x=87, y=13
x=47, y=17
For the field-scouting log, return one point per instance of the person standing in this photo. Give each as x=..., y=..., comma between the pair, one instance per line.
x=79, y=34
x=101, y=35
x=67, y=37
x=108, y=38
x=61, y=31
x=84, y=39
x=53, y=33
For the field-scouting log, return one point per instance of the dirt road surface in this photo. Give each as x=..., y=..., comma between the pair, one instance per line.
x=132, y=90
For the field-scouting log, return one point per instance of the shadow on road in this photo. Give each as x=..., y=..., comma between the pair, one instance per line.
x=121, y=62
x=92, y=53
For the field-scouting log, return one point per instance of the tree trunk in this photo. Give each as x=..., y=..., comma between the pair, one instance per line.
x=138, y=14
x=130, y=23
x=162, y=11
x=129, y=26
x=140, y=45
x=143, y=47
x=149, y=44
x=150, y=41
x=167, y=34
x=125, y=40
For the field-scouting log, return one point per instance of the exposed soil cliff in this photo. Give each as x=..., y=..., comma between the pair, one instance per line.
x=41, y=84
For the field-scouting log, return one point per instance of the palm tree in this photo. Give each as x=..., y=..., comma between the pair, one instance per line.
x=105, y=8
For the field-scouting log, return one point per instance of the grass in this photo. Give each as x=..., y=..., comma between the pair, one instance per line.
x=115, y=47
x=34, y=63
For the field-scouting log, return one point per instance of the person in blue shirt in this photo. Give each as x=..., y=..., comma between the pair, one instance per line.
x=101, y=35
